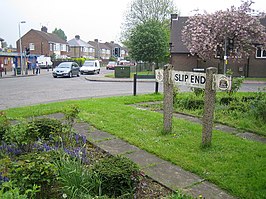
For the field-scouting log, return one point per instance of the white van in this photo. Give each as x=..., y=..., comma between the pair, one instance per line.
x=90, y=66
x=44, y=62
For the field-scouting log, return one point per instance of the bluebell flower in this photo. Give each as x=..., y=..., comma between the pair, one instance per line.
x=84, y=139
x=77, y=138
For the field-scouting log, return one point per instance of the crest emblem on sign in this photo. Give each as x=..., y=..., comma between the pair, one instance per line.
x=223, y=82
x=159, y=75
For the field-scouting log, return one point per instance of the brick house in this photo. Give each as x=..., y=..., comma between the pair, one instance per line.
x=102, y=51
x=181, y=59
x=79, y=48
x=44, y=43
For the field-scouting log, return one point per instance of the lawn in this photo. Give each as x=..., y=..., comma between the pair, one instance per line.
x=235, y=164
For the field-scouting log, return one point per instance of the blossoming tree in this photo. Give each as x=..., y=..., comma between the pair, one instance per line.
x=235, y=32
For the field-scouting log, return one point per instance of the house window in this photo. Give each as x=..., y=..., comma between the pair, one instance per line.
x=51, y=47
x=63, y=47
x=86, y=49
x=31, y=45
x=57, y=47
x=260, y=53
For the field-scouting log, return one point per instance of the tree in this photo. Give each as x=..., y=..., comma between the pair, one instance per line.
x=149, y=42
x=235, y=30
x=141, y=11
x=60, y=33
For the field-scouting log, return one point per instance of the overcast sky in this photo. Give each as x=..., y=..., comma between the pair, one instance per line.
x=91, y=19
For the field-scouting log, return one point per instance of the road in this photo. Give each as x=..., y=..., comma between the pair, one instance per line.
x=24, y=91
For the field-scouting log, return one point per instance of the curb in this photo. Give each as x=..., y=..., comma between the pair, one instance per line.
x=107, y=79
x=254, y=82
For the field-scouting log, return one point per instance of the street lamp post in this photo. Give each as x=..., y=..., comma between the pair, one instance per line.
x=20, y=47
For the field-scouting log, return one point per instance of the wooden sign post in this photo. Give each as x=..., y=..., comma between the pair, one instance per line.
x=168, y=98
x=209, y=105
x=210, y=81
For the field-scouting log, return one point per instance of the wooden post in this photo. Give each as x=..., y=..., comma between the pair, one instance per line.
x=209, y=105
x=168, y=98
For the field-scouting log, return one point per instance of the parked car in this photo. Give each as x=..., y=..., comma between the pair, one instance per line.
x=124, y=63
x=111, y=65
x=66, y=69
x=90, y=66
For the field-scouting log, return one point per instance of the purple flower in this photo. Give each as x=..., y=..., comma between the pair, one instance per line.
x=77, y=138
x=84, y=139
x=3, y=178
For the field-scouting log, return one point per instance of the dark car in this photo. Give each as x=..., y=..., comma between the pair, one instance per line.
x=66, y=69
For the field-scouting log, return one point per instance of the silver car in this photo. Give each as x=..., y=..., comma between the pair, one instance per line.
x=66, y=69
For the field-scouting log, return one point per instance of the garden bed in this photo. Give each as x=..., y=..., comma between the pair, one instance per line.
x=40, y=159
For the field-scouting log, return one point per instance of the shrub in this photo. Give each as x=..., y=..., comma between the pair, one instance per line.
x=239, y=106
x=175, y=93
x=33, y=169
x=4, y=124
x=46, y=126
x=258, y=106
x=22, y=135
x=71, y=114
x=119, y=175
x=5, y=163
x=235, y=84
x=226, y=100
x=198, y=91
x=8, y=191
x=190, y=103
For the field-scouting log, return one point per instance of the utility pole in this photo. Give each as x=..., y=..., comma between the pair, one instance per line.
x=20, y=47
x=225, y=55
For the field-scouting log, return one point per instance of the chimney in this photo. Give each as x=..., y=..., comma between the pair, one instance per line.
x=112, y=42
x=77, y=37
x=96, y=40
x=44, y=29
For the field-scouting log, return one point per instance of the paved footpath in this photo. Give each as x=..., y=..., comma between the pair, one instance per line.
x=164, y=172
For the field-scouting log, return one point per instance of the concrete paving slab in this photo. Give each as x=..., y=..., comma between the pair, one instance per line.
x=98, y=136
x=144, y=159
x=207, y=190
x=172, y=176
x=81, y=127
x=58, y=116
x=187, y=117
x=252, y=136
x=226, y=129
x=117, y=147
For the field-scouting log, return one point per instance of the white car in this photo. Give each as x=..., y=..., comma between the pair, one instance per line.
x=90, y=67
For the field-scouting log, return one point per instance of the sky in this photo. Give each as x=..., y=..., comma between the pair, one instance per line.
x=91, y=19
